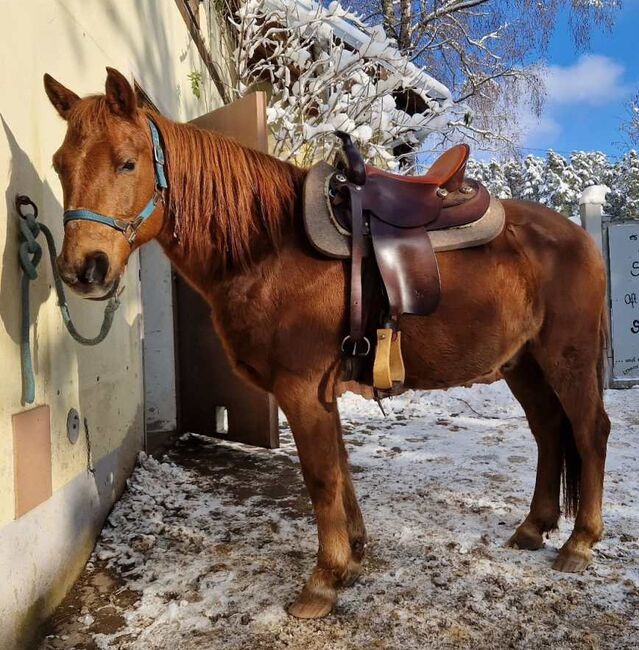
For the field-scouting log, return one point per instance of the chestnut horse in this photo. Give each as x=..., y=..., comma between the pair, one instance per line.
x=528, y=306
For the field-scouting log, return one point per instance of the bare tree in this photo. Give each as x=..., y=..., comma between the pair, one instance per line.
x=631, y=125
x=486, y=50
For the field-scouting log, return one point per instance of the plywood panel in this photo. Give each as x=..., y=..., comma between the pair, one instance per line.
x=32, y=458
x=206, y=381
x=244, y=120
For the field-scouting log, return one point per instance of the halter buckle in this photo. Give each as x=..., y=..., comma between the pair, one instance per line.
x=130, y=232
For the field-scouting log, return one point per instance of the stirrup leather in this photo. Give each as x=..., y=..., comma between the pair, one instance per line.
x=389, y=364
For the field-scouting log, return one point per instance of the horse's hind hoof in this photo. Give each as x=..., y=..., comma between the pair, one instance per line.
x=572, y=560
x=527, y=538
x=314, y=603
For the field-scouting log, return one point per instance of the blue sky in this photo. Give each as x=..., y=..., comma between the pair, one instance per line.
x=588, y=91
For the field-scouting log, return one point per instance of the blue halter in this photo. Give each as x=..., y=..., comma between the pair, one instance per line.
x=129, y=228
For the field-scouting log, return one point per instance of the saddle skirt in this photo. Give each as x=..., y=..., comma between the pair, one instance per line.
x=329, y=237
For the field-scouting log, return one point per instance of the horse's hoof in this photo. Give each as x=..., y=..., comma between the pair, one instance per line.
x=314, y=604
x=572, y=560
x=527, y=538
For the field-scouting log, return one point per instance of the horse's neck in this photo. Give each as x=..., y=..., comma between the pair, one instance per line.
x=205, y=275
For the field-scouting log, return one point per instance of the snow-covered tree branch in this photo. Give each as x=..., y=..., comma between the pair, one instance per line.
x=482, y=49
x=318, y=82
x=631, y=126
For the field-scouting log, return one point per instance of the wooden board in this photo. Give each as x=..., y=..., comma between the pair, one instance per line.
x=31, y=458
x=244, y=120
x=206, y=383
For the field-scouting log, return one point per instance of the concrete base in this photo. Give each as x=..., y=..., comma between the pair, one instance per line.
x=43, y=552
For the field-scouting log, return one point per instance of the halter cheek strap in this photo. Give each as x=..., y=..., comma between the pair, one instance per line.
x=129, y=228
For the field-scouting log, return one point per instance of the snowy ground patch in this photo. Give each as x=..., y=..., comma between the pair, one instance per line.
x=210, y=543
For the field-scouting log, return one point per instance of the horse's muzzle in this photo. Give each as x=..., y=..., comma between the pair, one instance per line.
x=88, y=278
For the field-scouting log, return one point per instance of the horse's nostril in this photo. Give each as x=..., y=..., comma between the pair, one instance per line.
x=95, y=268
x=66, y=272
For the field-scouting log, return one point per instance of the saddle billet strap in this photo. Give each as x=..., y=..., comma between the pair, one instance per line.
x=356, y=343
x=357, y=256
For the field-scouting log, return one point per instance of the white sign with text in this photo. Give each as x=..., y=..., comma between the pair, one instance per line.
x=623, y=249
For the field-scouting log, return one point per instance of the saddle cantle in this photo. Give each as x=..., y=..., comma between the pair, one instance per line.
x=360, y=212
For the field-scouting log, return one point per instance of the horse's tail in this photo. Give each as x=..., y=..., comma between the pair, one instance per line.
x=571, y=472
x=571, y=469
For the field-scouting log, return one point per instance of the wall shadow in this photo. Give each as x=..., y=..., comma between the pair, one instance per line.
x=151, y=56
x=23, y=179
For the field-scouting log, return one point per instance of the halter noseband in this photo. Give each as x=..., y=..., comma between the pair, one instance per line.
x=129, y=228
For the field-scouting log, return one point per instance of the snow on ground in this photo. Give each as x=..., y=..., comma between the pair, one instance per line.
x=209, y=544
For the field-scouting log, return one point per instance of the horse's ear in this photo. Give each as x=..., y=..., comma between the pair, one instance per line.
x=120, y=95
x=62, y=98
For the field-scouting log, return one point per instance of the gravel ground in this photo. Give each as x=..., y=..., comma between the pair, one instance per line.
x=210, y=542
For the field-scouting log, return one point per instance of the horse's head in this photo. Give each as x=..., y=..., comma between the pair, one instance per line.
x=110, y=181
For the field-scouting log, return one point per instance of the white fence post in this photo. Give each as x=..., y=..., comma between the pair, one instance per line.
x=591, y=203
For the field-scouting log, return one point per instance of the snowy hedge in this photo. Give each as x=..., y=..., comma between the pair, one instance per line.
x=558, y=182
x=319, y=83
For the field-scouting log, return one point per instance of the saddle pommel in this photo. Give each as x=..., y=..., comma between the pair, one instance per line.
x=355, y=166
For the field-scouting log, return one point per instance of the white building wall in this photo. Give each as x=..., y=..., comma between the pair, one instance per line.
x=73, y=40
x=160, y=407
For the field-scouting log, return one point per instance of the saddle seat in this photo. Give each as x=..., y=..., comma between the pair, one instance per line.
x=447, y=171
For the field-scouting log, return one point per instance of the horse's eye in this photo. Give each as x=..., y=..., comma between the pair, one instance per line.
x=128, y=166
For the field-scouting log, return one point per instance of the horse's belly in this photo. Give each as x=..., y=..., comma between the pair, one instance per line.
x=485, y=317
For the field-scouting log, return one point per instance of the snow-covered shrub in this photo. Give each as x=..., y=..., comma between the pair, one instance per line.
x=319, y=83
x=623, y=200
x=558, y=182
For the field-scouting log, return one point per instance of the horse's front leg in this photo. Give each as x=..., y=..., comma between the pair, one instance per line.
x=342, y=536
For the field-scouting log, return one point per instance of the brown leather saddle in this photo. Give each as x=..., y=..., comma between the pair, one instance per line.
x=392, y=216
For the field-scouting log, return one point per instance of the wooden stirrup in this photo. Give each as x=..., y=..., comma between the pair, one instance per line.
x=389, y=365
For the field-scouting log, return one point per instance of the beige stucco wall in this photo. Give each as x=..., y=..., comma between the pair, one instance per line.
x=73, y=40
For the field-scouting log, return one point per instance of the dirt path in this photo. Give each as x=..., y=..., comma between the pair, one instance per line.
x=209, y=544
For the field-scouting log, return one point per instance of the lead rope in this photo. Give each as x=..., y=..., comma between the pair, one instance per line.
x=30, y=254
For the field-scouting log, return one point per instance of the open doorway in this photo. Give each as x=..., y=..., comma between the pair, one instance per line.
x=189, y=385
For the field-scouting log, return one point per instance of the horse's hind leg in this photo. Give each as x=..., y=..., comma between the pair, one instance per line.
x=546, y=419
x=582, y=400
x=571, y=360
x=342, y=537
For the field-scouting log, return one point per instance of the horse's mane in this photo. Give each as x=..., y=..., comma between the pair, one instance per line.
x=224, y=197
